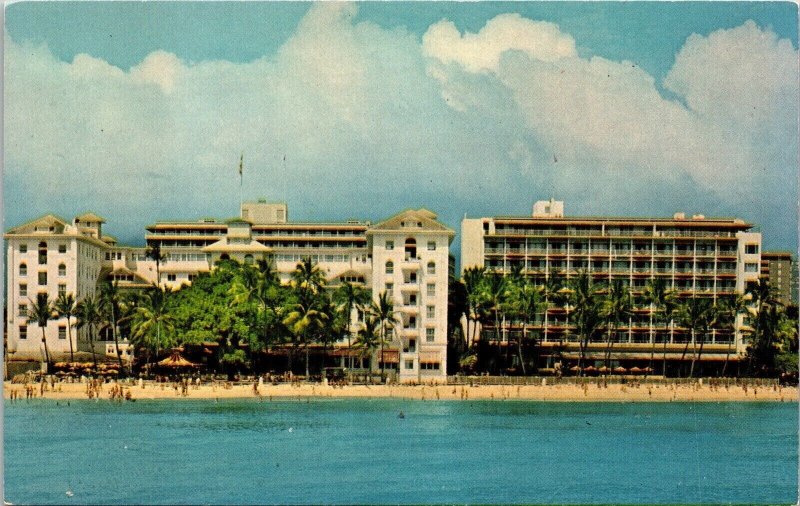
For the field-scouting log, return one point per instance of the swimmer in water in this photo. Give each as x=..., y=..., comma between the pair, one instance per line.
x=401, y=415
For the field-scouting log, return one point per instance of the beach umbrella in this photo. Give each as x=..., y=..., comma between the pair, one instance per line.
x=648, y=370
x=636, y=370
x=590, y=370
x=620, y=370
x=175, y=361
x=574, y=368
x=604, y=370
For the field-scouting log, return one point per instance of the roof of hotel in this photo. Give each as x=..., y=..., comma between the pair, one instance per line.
x=30, y=226
x=778, y=255
x=627, y=220
x=90, y=216
x=224, y=246
x=424, y=217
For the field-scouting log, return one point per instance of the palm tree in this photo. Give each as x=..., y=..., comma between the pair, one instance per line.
x=698, y=314
x=729, y=309
x=307, y=280
x=41, y=311
x=109, y=301
x=368, y=338
x=662, y=301
x=617, y=308
x=527, y=301
x=303, y=321
x=66, y=307
x=473, y=281
x=383, y=311
x=495, y=291
x=259, y=285
x=764, y=300
x=587, y=313
x=154, y=253
x=152, y=322
x=89, y=316
x=351, y=296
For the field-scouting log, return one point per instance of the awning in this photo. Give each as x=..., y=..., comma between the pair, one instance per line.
x=430, y=357
x=391, y=356
x=711, y=357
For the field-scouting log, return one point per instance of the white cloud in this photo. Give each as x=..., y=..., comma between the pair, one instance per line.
x=373, y=119
x=481, y=51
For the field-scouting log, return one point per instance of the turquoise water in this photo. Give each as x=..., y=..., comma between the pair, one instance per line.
x=360, y=451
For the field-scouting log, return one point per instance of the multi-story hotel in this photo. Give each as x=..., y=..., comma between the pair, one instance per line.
x=777, y=269
x=696, y=256
x=415, y=272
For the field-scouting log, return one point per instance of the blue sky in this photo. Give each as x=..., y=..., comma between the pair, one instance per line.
x=139, y=111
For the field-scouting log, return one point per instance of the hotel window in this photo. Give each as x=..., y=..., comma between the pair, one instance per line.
x=22, y=310
x=431, y=245
x=23, y=332
x=431, y=312
x=23, y=290
x=409, y=364
x=172, y=277
x=62, y=332
x=42, y=253
x=389, y=287
x=389, y=244
x=431, y=268
x=62, y=248
x=23, y=248
x=62, y=270
x=389, y=267
x=430, y=366
x=751, y=267
x=430, y=335
x=23, y=269
x=62, y=289
x=431, y=289
x=42, y=278
x=751, y=249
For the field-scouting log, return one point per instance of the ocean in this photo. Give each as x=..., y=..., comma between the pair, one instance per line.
x=337, y=451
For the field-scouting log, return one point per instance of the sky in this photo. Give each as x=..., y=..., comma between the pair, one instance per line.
x=140, y=111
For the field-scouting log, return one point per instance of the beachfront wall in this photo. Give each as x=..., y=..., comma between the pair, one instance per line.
x=696, y=256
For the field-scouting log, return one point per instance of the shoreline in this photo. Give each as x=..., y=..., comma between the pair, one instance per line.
x=589, y=392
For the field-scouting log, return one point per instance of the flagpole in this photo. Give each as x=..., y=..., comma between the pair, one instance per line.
x=241, y=178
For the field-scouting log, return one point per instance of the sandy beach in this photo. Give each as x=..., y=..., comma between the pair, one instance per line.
x=591, y=391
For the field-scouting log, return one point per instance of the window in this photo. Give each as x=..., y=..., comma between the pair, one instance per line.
x=23, y=332
x=431, y=268
x=22, y=310
x=430, y=335
x=389, y=287
x=172, y=277
x=751, y=249
x=23, y=290
x=751, y=267
x=23, y=248
x=62, y=332
x=409, y=364
x=62, y=289
x=389, y=267
x=431, y=312
x=431, y=245
x=389, y=244
x=42, y=253
x=62, y=270
x=42, y=278
x=62, y=248
x=429, y=366
x=23, y=269
x=431, y=289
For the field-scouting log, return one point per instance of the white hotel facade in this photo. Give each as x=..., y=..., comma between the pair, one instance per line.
x=406, y=255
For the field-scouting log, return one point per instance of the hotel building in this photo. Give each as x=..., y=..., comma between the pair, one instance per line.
x=777, y=269
x=696, y=256
x=355, y=251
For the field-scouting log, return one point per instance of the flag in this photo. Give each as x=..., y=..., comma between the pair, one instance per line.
x=241, y=164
